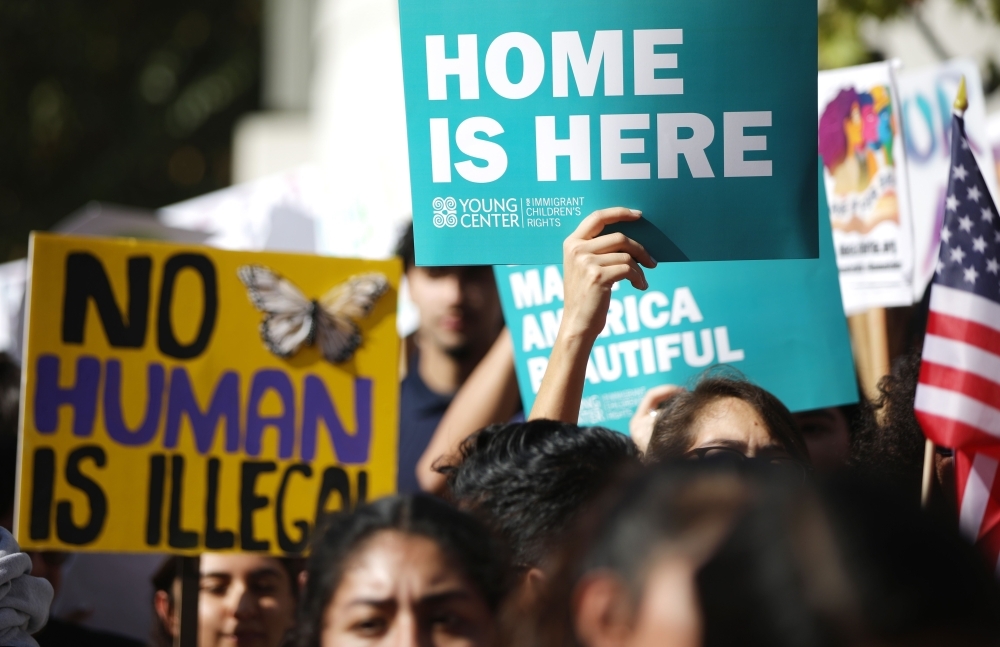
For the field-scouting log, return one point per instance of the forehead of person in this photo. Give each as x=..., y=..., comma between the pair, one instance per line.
x=735, y=424
x=245, y=601
x=404, y=589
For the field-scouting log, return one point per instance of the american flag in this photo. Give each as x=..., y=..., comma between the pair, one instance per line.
x=958, y=396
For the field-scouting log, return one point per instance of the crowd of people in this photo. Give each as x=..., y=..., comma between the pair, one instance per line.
x=722, y=519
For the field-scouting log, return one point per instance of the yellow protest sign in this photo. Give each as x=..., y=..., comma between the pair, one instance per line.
x=182, y=399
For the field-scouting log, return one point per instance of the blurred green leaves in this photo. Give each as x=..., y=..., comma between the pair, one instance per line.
x=840, y=43
x=126, y=101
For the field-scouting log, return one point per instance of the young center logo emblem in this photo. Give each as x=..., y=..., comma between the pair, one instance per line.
x=445, y=212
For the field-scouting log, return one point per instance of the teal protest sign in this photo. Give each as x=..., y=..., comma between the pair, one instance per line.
x=781, y=323
x=525, y=115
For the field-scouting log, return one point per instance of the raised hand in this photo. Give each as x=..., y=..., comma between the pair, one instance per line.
x=592, y=264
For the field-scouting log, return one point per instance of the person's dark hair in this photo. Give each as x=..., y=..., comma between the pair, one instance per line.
x=528, y=481
x=405, y=249
x=662, y=504
x=164, y=577
x=10, y=390
x=671, y=438
x=480, y=556
x=858, y=415
x=850, y=564
x=781, y=564
x=890, y=447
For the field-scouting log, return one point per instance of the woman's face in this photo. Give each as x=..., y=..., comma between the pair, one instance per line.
x=734, y=424
x=403, y=590
x=245, y=601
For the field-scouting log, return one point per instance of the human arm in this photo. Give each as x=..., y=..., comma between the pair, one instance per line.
x=592, y=264
x=488, y=396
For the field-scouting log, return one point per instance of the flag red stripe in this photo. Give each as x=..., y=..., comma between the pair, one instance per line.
x=989, y=545
x=966, y=383
x=963, y=466
x=947, y=432
x=991, y=518
x=964, y=330
x=972, y=306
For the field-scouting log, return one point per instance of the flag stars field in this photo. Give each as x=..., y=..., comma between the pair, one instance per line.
x=987, y=215
x=946, y=235
x=975, y=194
x=957, y=254
x=965, y=224
x=979, y=245
x=952, y=202
x=971, y=274
x=960, y=173
x=992, y=266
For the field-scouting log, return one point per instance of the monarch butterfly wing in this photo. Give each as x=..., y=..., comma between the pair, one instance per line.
x=285, y=334
x=288, y=324
x=337, y=337
x=356, y=297
x=272, y=294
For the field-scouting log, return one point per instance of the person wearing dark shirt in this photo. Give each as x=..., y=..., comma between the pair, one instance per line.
x=460, y=318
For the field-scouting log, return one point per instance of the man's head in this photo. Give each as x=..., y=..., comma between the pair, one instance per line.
x=529, y=481
x=459, y=306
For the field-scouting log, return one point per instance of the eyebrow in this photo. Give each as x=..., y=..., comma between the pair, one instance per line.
x=741, y=446
x=434, y=598
x=260, y=572
x=722, y=442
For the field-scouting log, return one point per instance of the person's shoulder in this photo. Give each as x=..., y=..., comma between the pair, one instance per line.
x=64, y=634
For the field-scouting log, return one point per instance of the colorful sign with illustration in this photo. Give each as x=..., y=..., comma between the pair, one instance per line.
x=780, y=323
x=927, y=96
x=182, y=399
x=865, y=172
x=525, y=116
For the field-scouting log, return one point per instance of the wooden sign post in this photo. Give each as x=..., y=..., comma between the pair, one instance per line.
x=187, y=603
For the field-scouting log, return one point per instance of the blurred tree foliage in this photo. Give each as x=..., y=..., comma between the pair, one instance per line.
x=125, y=101
x=840, y=43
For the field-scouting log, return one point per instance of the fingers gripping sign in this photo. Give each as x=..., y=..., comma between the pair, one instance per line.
x=593, y=263
x=640, y=428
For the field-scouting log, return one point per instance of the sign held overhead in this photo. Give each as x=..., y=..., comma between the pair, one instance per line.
x=522, y=118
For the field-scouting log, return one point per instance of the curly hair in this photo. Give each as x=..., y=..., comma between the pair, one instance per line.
x=528, y=481
x=889, y=447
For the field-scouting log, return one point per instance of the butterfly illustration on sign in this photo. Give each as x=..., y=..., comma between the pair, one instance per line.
x=292, y=321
